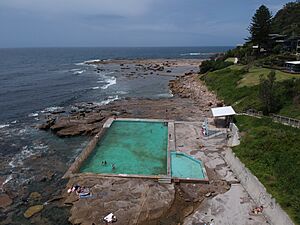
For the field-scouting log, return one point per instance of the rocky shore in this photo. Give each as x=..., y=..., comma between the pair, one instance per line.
x=137, y=201
x=191, y=100
x=133, y=201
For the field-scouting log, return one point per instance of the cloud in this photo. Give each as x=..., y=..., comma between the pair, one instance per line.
x=113, y=7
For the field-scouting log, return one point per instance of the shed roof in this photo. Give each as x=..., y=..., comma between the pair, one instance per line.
x=293, y=62
x=223, y=111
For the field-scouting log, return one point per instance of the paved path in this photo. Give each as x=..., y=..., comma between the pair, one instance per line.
x=230, y=208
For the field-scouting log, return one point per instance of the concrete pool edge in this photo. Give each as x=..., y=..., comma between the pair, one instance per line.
x=201, y=164
x=75, y=166
x=73, y=170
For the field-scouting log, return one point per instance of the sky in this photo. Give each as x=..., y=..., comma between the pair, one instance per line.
x=121, y=23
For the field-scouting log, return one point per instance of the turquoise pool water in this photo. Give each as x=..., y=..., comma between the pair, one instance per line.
x=184, y=166
x=134, y=147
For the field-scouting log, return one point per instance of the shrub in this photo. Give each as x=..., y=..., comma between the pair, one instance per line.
x=212, y=65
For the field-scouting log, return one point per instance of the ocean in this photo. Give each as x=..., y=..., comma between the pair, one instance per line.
x=34, y=80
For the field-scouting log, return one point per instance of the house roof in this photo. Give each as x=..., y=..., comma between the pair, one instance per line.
x=223, y=111
x=293, y=62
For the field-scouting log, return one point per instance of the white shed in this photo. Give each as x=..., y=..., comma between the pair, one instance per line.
x=227, y=112
x=223, y=111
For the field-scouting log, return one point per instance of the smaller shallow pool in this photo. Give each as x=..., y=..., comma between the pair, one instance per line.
x=186, y=167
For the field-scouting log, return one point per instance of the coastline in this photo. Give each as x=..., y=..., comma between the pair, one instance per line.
x=190, y=100
x=172, y=204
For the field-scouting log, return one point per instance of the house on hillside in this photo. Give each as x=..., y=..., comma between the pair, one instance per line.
x=292, y=66
x=293, y=44
x=277, y=38
x=290, y=44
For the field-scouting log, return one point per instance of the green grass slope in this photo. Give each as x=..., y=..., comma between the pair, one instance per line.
x=272, y=152
x=239, y=87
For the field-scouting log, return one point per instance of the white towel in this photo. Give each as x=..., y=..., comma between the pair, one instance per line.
x=109, y=218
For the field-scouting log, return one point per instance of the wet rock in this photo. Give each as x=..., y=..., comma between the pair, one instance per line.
x=58, y=111
x=35, y=196
x=76, y=130
x=161, y=68
x=5, y=201
x=50, y=175
x=47, y=124
x=33, y=210
x=2, y=180
x=133, y=201
x=116, y=113
x=54, y=199
x=188, y=211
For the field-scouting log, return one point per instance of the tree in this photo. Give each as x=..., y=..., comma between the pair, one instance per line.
x=287, y=20
x=267, y=93
x=260, y=26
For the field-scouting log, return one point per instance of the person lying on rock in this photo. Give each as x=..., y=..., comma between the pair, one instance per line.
x=257, y=210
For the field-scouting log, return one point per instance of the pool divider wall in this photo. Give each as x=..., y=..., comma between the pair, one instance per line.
x=171, y=145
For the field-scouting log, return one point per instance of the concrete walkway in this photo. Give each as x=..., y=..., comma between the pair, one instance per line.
x=230, y=208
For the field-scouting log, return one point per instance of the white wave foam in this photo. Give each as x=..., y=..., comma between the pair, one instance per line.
x=9, y=178
x=52, y=109
x=103, y=75
x=78, y=72
x=80, y=64
x=122, y=92
x=92, y=61
x=25, y=153
x=197, y=53
x=191, y=53
x=3, y=125
x=110, y=99
x=13, y=122
x=110, y=81
x=35, y=114
x=40, y=147
x=165, y=95
x=111, y=72
x=22, y=131
x=18, y=159
x=95, y=88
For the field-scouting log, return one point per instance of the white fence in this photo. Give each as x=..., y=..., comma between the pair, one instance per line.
x=276, y=118
x=286, y=120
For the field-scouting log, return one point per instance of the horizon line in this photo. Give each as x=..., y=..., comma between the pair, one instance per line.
x=28, y=47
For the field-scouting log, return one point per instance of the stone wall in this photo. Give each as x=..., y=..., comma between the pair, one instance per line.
x=74, y=168
x=257, y=191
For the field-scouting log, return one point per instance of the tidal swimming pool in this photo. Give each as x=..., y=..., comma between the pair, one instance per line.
x=130, y=147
